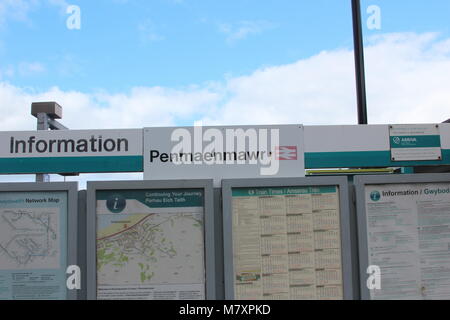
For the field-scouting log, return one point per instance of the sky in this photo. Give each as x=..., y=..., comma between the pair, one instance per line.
x=139, y=63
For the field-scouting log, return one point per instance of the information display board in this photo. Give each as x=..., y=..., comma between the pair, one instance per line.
x=287, y=239
x=404, y=230
x=38, y=236
x=151, y=240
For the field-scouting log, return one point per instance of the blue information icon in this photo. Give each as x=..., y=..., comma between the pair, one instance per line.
x=116, y=203
x=375, y=195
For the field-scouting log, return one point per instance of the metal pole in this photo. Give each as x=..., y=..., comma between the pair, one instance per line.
x=46, y=114
x=359, y=62
x=42, y=124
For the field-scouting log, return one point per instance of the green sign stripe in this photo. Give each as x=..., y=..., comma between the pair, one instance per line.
x=281, y=191
x=363, y=159
x=431, y=141
x=313, y=160
x=317, y=160
x=71, y=164
x=158, y=198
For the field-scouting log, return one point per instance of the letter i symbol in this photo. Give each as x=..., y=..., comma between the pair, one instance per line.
x=116, y=203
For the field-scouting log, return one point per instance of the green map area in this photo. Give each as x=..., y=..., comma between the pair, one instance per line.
x=151, y=248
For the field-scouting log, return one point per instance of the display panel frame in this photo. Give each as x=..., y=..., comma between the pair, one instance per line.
x=360, y=183
x=208, y=231
x=71, y=188
x=345, y=226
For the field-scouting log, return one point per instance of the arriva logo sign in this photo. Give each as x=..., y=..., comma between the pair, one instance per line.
x=406, y=140
x=409, y=140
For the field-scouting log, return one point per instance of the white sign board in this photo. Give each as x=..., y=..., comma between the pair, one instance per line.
x=223, y=152
x=408, y=236
x=73, y=143
x=415, y=142
x=71, y=151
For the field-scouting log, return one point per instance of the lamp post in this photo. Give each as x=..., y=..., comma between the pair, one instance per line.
x=359, y=62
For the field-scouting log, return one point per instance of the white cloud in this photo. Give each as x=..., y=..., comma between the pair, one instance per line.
x=22, y=69
x=243, y=29
x=138, y=108
x=61, y=4
x=407, y=78
x=7, y=72
x=30, y=68
x=407, y=81
x=19, y=10
x=15, y=10
x=69, y=65
x=147, y=32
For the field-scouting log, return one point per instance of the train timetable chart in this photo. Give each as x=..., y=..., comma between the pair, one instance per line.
x=286, y=243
